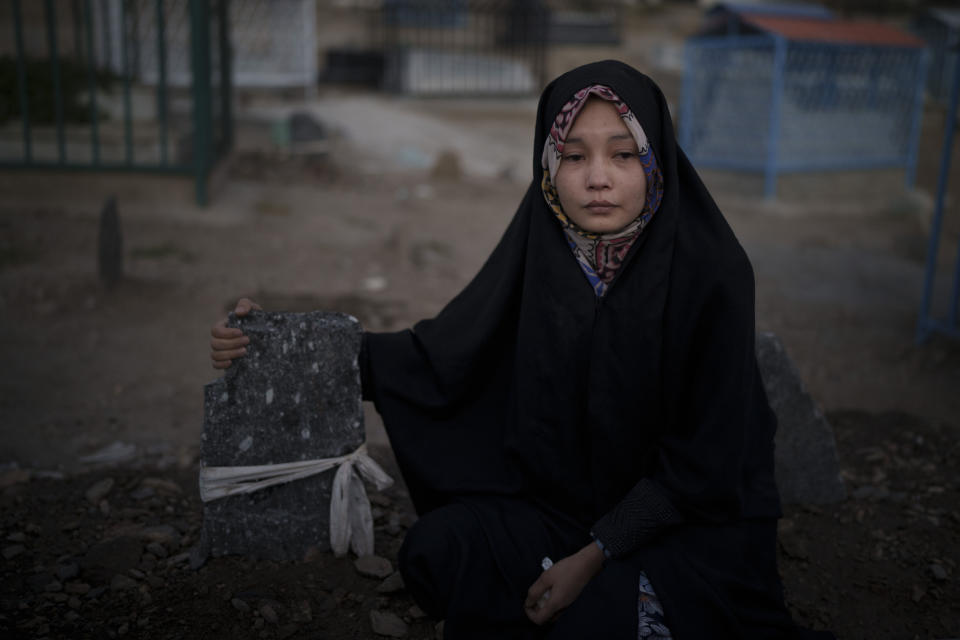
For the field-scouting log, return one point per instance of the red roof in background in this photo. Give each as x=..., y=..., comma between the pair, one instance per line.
x=846, y=31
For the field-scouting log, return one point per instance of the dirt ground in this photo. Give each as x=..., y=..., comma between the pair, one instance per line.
x=881, y=565
x=839, y=264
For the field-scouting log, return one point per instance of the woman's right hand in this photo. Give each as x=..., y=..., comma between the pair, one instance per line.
x=226, y=344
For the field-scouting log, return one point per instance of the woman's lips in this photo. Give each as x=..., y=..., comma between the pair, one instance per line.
x=600, y=206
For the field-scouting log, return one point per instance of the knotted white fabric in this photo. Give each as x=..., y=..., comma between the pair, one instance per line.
x=351, y=523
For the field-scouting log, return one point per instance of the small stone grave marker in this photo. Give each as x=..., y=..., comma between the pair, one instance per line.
x=110, y=246
x=807, y=464
x=295, y=396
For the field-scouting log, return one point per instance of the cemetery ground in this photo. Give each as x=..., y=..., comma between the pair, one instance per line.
x=100, y=547
x=107, y=554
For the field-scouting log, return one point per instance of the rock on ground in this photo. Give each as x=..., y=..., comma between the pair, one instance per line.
x=391, y=584
x=385, y=623
x=373, y=566
x=99, y=490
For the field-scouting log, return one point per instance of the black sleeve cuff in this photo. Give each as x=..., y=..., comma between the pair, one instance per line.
x=642, y=513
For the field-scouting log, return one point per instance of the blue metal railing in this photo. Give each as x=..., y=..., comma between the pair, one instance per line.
x=939, y=28
x=763, y=103
x=142, y=144
x=928, y=323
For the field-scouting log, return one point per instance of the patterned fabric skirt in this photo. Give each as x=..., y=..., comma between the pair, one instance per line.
x=650, y=612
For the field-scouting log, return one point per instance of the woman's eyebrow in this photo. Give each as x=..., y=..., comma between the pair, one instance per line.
x=615, y=137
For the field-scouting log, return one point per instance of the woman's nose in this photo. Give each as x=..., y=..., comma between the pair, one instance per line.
x=598, y=175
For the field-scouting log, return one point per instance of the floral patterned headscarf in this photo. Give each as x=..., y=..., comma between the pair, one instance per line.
x=599, y=255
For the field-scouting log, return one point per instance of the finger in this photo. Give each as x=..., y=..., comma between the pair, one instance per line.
x=222, y=365
x=532, y=615
x=221, y=344
x=245, y=305
x=219, y=330
x=543, y=613
x=535, y=592
x=551, y=606
x=228, y=355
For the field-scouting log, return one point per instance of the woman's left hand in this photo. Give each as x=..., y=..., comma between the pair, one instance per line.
x=562, y=583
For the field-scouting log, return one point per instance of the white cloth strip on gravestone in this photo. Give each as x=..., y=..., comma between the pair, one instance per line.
x=351, y=521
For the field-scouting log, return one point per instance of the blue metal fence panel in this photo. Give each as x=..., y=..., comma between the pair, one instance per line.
x=929, y=320
x=725, y=118
x=940, y=29
x=848, y=105
x=763, y=103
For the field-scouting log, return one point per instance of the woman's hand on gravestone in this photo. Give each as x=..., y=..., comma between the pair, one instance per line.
x=226, y=344
x=559, y=586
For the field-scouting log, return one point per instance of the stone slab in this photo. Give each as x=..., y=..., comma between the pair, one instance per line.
x=294, y=396
x=110, y=245
x=807, y=464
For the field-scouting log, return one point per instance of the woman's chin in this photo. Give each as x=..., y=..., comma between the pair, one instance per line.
x=604, y=223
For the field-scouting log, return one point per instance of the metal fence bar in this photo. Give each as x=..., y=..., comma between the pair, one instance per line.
x=310, y=48
x=22, y=81
x=226, y=76
x=51, y=17
x=135, y=67
x=202, y=120
x=922, y=65
x=125, y=70
x=955, y=295
x=162, y=78
x=77, y=21
x=107, y=45
x=516, y=50
x=927, y=323
x=92, y=83
x=776, y=100
x=952, y=120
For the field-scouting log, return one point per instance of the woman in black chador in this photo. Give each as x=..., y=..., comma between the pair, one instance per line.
x=590, y=401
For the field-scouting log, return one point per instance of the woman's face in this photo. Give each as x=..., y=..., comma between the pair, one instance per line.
x=600, y=180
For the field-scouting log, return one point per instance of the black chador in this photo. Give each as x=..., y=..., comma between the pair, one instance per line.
x=533, y=415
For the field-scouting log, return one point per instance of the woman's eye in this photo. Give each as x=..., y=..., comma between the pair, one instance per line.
x=573, y=157
x=625, y=155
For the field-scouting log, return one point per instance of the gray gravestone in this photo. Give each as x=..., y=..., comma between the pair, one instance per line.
x=110, y=249
x=294, y=396
x=807, y=465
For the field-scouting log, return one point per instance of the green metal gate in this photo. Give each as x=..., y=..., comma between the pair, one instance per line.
x=86, y=87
